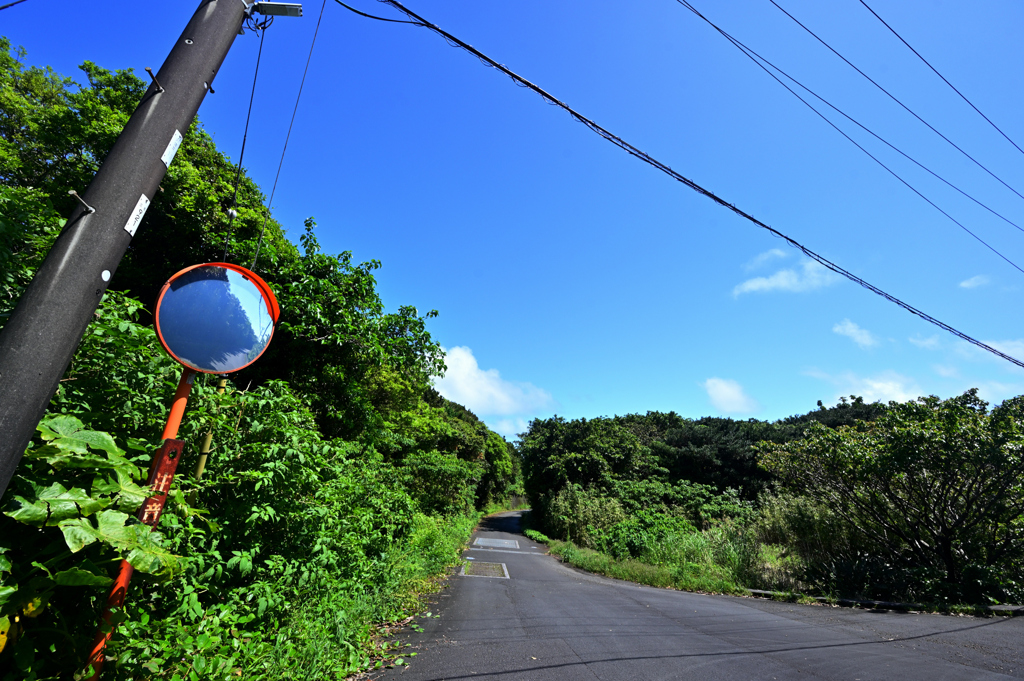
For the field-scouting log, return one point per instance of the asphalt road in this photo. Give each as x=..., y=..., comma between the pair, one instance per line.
x=550, y=621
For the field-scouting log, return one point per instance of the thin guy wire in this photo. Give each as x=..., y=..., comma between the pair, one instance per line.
x=893, y=98
x=936, y=72
x=646, y=158
x=746, y=50
x=270, y=203
x=241, y=155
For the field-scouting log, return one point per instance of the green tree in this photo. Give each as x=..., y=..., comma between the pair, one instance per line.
x=846, y=412
x=334, y=334
x=55, y=133
x=499, y=479
x=719, y=452
x=590, y=453
x=932, y=484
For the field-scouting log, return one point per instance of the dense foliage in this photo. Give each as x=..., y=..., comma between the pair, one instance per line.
x=339, y=481
x=919, y=501
x=934, y=489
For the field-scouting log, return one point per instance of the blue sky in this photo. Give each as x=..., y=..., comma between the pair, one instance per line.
x=572, y=278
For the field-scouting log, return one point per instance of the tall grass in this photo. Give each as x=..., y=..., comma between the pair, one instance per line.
x=704, y=577
x=329, y=635
x=732, y=549
x=727, y=556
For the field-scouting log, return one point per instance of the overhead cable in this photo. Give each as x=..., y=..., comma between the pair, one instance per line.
x=757, y=59
x=266, y=216
x=936, y=72
x=754, y=56
x=372, y=16
x=233, y=211
x=895, y=99
x=646, y=158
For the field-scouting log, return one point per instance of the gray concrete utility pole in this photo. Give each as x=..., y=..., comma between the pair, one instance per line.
x=43, y=332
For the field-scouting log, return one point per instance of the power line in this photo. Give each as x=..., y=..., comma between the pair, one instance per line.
x=893, y=98
x=233, y=212
x=936, y=72
x=362, y=14
x=754, y=56
x=646, y=158
x=12, y=4
x=287, y=137
x=748, y=51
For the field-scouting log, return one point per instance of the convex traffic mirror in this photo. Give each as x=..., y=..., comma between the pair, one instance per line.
x=215, y=318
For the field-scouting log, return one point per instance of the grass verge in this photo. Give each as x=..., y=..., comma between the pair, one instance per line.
x=686, y=577
x=338, y=630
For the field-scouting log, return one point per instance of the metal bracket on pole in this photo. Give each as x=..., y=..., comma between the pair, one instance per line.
x=88, y=209
x=159, y=87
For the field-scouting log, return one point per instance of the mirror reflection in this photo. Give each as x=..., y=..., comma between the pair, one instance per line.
x=213, y=319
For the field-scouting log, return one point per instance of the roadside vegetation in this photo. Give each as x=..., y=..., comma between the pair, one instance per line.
x=340, y=484
x=918, y=502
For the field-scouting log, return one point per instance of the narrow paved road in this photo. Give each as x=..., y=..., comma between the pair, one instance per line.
x=549, y=621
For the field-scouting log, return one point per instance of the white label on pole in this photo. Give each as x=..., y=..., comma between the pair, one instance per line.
x=172, y=149
x=136, y=216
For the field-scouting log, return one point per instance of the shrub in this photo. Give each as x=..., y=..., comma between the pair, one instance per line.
x=578, y=515
x=640, y=534
x=934, y=489
x=536, y=536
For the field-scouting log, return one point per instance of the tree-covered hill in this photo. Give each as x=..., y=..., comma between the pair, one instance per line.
x=922, y=501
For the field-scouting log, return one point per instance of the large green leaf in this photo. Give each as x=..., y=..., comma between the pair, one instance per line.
x=56, y=504
x=110, y=529
x=30, y=513
x=153, y=559
x=129, y=496
x=144, y=551
x=76, y=576
x=6, y=594
x=67, y=432
x=68, y=458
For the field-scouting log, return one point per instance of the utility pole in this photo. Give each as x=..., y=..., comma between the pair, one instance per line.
x=43, y=332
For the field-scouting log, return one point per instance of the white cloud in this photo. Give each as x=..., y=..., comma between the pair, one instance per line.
x=766, y=257
x=975, y=282
x=995, y=392
x=484, y=391
x=861, y=337
x=727, y=396
x=1013, y=348
x=809, y=277
x=930, y=343
x=510, y=428
x=885, y=386
x=946, y=371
